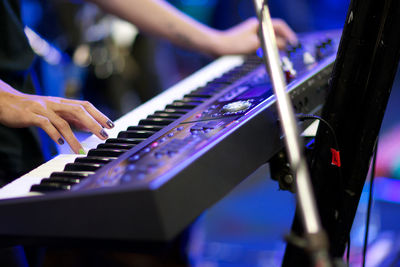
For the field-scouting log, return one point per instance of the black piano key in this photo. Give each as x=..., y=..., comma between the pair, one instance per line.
x=156, y=121
x=206, y=91
x=193, y=99
x=135, y=134
x=223, y=80
x=211, y=85
x=61, y=180
x=198, y=95
x=50, y=187
x=72, y=174
x=182, y=105
x=133, y=141
x=101, y=160
x=173, y=110
x=165, y=115
x=106, y=152
x=186, y=101
x=153, y=128
x=79, y=166
x=116, y=146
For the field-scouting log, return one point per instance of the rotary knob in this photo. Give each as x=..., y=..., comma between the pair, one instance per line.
x=237, y=106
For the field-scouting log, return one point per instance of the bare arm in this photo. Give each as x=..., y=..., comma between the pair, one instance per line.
x=53, y=114
x=159, y=18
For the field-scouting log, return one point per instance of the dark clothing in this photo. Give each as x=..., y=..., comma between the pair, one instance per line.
x=15, y=52
x=19, y=148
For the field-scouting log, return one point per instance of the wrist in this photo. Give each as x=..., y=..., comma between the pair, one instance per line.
x=215, y=43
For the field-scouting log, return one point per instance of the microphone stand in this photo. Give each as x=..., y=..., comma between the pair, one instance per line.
x=315, y=236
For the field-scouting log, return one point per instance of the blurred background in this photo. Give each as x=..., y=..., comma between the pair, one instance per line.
x=86, y=54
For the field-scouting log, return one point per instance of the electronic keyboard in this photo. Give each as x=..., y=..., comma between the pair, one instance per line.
x=171, y=158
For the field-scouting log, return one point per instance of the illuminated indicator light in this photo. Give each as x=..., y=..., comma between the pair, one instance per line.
x=155, y=144
x=335, y=157
x=134, y=158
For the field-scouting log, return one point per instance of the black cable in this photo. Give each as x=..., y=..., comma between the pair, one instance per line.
x=315, y=117
x=371, y=185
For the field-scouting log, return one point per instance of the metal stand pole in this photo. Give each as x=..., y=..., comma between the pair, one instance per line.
x=317, y=243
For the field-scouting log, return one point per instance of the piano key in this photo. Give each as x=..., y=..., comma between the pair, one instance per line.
x=156, y=121
x=102, y=160
x=210, y=87
x=180, y=105
x=173, y=111
x=165, y=115
x=206, y=91
x=153, y=128
x=116, y=146
x=50, y=187
x=193, y=99
x=133, y=141
x=222, y=80
x=188, y=101
x=61, y=180
x=79, y=166
x=106, y=152
x=135, y=134
x=72, y=174
x=198, y=95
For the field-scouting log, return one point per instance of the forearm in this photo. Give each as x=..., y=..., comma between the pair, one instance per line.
x=159, y=18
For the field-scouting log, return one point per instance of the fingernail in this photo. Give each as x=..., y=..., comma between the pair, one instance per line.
x=110, y=124
x=103, y=133
x=82, y=151
x=60, y=141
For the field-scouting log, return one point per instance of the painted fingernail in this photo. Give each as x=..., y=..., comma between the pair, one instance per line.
x=103, y=133
x=82, y=151
x=110, y=124
x=60, y=141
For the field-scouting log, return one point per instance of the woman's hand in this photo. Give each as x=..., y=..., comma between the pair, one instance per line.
x=53, y=114
x=243, y=38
